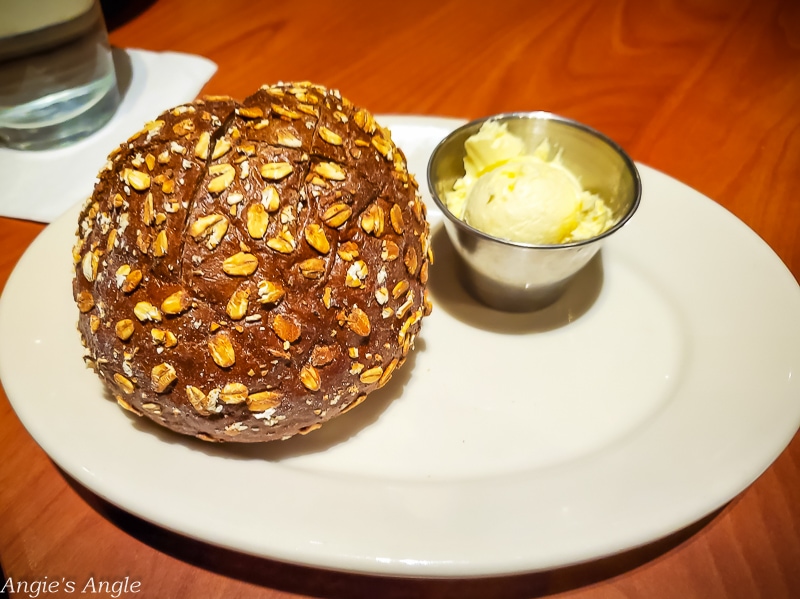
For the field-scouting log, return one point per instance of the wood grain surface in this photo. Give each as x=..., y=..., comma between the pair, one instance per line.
x=706, y=91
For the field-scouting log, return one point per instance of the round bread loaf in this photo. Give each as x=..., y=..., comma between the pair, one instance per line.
x=248, y=271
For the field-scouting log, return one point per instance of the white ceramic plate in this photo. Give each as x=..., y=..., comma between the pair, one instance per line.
x=657, y=389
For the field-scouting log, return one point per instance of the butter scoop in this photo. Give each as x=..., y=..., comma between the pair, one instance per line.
x=520, y=196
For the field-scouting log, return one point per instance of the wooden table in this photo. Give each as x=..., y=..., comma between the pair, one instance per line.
x=705, y=91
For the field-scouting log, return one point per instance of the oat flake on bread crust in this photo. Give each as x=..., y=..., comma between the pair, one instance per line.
x=248, y=271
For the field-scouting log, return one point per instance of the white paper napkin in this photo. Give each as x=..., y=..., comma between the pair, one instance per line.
x=40, y=186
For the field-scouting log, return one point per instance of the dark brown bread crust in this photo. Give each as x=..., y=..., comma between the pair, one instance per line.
x=245, y=272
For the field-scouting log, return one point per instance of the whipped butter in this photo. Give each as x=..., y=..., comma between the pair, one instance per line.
x=523, y=196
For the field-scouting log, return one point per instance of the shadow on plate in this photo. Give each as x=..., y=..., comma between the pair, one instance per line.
x=315, y=582
x=448, y=294
x=336, y=431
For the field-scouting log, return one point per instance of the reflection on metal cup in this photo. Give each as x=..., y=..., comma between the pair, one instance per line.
x=57, y=79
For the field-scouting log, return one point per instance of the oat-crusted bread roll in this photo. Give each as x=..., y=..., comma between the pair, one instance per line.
x=247, y=271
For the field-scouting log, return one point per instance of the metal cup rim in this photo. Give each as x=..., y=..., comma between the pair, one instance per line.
x=543, y=115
